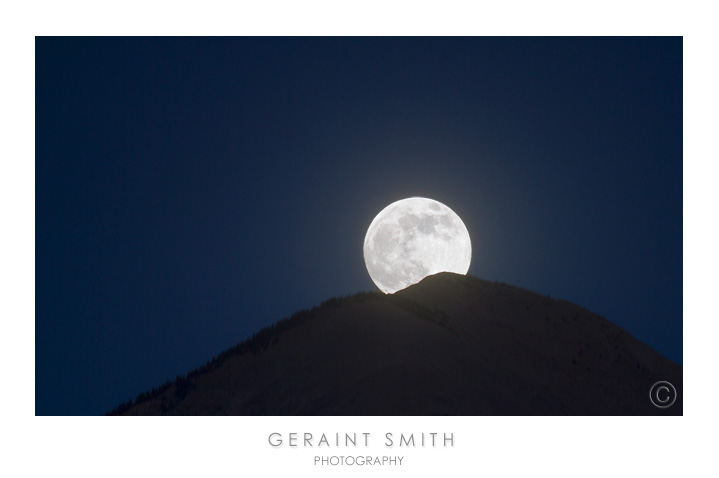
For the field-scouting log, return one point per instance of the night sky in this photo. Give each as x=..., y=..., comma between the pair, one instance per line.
x=192, y=191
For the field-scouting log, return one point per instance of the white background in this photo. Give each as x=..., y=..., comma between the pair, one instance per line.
x=237, y=446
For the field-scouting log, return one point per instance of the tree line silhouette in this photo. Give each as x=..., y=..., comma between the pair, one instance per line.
x=258, y=342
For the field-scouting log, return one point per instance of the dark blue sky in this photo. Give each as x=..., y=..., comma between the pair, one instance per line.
x=192, y=191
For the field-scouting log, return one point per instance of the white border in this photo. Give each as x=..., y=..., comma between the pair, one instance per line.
x=212, y=446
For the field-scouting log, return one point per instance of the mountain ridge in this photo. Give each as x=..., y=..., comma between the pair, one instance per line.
x=451, y=344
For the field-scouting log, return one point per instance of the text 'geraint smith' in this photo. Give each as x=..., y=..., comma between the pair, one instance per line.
x=360, y=439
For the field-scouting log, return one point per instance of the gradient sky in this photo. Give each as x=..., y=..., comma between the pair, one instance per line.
x=192, y=191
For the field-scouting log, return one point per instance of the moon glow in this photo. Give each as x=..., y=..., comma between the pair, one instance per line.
x=414, y=238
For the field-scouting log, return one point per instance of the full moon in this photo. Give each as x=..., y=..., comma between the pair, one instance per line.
x=414, y=238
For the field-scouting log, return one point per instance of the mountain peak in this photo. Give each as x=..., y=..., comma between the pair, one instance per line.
x=451, y=344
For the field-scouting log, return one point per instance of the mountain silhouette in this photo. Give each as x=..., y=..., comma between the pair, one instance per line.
x=449, y=345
